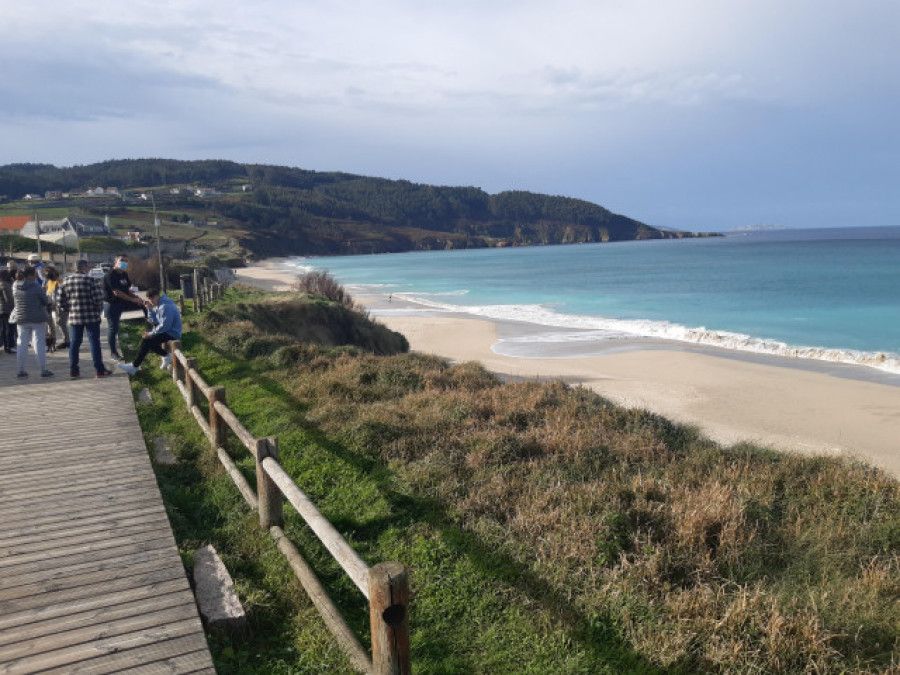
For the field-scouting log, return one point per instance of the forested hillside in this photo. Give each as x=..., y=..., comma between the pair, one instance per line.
x=283, y=210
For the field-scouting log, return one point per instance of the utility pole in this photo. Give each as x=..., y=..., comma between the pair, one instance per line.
x=37, y=231
x=162, y=277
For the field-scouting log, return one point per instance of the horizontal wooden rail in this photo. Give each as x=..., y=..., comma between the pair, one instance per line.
x=385, y=585
x=348, y=559
x=320, y=598
x=235, y=425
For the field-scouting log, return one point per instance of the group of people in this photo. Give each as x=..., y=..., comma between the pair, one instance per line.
x=35, y=300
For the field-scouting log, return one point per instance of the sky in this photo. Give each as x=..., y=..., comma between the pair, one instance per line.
x=697, y=115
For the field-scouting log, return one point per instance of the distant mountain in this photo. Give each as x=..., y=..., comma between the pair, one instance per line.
x=278, y=210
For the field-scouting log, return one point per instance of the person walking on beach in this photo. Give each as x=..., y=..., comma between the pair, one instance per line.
x=119, y=298
x=164, y=315
x=30, y=315
x=82, y=299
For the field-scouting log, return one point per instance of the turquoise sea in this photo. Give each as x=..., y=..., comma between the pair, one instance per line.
x=826, y=294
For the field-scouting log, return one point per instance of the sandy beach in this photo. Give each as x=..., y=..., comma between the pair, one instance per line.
x=789, y=405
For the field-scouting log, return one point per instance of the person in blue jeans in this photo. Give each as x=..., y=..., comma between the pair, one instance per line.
x=166, y=319
x=82, y=297
x=118, y=298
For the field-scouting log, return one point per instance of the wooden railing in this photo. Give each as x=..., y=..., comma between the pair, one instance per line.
x=205, y=291
x=384, y=585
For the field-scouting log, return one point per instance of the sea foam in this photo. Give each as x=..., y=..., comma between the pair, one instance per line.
x=593, y=328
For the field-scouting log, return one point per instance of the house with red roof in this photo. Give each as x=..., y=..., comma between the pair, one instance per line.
x=12, y=224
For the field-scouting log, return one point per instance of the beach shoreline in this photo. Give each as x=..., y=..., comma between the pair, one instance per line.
x=785, y=404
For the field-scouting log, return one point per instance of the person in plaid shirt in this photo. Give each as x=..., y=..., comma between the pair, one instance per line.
x=82, y=298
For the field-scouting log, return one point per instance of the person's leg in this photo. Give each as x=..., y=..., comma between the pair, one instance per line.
x=39, y=342
x=113, y=317
x=62, y=318
x=76, y=335
x=93, y=331
x=143, y=350
x=4, y=333
x=24, y=337
x=157, y=343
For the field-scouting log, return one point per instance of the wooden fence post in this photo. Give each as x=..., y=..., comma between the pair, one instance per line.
x=197, y=306
x=389, y=618
x=176, y=364
x=216, y=423
x=267, y=492
x=189, y=387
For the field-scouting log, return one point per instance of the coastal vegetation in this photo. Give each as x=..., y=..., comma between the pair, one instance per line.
x=268, y=210
x=546, y=530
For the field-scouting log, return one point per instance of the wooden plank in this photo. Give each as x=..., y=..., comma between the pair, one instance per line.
x=63, y=576
x=146, y=660
x=83, y=575
x=59, y=612
x=143, y=524
x=83, y=513
x=99, y=557
x=105, y=641
x=91, y=580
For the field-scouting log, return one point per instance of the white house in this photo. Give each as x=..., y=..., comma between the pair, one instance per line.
x=68, y=230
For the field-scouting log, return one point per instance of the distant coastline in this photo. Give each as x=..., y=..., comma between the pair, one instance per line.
x=756, y=228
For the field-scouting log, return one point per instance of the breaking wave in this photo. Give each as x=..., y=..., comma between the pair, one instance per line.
x=593, y=328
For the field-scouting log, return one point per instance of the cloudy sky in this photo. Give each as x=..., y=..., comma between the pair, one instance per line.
x=690, y=114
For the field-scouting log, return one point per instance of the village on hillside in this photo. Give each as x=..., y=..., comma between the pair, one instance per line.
x=67, y=226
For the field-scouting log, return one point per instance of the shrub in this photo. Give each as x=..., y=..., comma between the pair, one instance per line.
x=321, y=284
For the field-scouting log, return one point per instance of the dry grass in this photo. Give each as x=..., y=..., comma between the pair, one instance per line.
x=704, y=558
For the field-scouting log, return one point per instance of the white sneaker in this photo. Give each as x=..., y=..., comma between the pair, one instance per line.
x=166, y=362
x=127, y=367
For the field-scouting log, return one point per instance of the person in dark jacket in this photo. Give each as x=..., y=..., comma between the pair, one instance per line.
x=81, y=298
x=7, y=330
x=119, y=298
x=30, y=315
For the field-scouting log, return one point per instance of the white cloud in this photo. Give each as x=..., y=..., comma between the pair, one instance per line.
x=497, y=93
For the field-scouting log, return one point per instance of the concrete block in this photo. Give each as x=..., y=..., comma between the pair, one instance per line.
x=145, y=396
x=162, y=453
x=217, y=600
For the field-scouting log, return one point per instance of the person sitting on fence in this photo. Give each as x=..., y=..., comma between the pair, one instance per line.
x=166, y=319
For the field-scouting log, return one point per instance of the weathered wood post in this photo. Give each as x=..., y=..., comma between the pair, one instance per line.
x=197, y=307
x=267, y=492
x=190, y=387
x=389, y=618
x=216, y=423
x=176, y=364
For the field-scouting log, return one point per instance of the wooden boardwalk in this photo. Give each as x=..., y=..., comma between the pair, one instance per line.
x=90, y=577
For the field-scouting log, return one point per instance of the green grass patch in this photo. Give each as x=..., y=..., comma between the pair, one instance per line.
x=545, y=529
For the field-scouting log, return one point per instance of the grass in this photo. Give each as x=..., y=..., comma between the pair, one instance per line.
x=545, y=529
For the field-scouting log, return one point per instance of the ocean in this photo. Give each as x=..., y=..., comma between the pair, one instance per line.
x=826, y=294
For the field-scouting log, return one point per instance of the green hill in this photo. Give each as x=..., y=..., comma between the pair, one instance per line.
x=277, y=210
